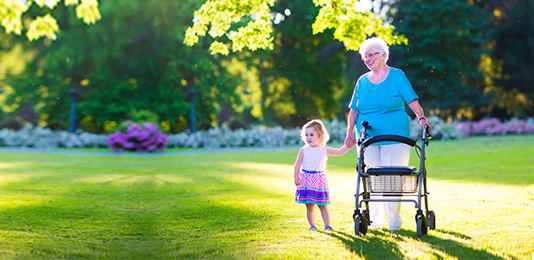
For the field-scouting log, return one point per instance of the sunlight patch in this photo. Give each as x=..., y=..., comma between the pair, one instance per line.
x=413, y=249
x=271, y=168
x=274, y=178
x=102, y=178
x=11, y=165
x=530, y=193
x=174, y=179
x=134, y=180
x=18, y=201
x=8, y=178
x=4, y=165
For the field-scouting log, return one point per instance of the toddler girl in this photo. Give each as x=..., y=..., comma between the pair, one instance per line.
x=310, y=178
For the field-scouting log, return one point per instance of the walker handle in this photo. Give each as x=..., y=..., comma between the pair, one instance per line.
x=426, y=135
x=394, y=138
x=363, y=134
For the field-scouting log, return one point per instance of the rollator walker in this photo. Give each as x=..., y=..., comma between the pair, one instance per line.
x=392, y=183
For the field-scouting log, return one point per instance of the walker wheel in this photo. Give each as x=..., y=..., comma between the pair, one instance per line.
x=360, y=225
x=367, y=217
x=431, y=220
x=363, y=225
x=422, y=227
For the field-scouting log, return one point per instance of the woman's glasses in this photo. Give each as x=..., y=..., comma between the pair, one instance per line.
x=366, y=57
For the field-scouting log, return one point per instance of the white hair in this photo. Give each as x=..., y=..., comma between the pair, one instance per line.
x=374, y=42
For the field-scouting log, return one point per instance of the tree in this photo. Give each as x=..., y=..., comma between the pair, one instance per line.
x=239, y=24
x=446, y=42
x=12, y=13
x=512, y=58
x=130, y=62
x=297, y=82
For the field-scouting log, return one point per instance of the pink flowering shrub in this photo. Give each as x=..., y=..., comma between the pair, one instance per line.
x=443, y=130
x=138, y=138
x=493, y=126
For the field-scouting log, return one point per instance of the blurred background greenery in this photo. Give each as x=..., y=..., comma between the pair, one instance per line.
x=467, y=59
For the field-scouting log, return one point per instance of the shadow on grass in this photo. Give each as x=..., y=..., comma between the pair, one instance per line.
x=451, y=247
x=370, y=246
x=120, y=208
x=178, y=207
x=382, y=245
x=146, y=221
x=453, y=233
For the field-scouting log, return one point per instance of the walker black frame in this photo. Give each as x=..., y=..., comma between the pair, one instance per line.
x=399, y=174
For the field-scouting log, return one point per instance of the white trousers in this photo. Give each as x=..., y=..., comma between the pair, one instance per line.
x=386, y=155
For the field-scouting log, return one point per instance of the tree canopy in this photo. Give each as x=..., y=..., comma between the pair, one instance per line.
x=465, y=59
x=15, y=17
x=298, y=83
x=238, y=24
x=513, y=54
x=443, y=54
x=129, y=62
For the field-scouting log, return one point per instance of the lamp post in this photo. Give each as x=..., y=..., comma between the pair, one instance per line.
x=72, y=121
x=192, y=93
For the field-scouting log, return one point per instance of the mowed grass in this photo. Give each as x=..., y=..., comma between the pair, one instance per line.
x=239, y=205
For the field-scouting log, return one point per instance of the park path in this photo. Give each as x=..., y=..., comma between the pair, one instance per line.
x=132, y=154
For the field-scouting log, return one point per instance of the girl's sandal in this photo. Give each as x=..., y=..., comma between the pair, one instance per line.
x=328, y=228
x=312, y=228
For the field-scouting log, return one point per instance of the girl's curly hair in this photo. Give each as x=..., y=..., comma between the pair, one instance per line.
x=319, y=127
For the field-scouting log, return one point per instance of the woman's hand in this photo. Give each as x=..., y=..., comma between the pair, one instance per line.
x=424, y=123
x=418, y=111
x=350, y=141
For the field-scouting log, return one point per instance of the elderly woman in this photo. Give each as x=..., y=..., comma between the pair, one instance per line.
x=378, y=98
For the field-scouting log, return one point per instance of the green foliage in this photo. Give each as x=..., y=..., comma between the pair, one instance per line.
x=216, y=19
x=352, y=27
x=513, y=53
x=144, y=116
x=239, y=205
x=12, y=15
x=446, y=42
x=132, y=60
x=223, y=20
x=296, y=82
x=45, y=94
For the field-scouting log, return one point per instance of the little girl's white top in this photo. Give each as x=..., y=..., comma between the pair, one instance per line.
x=314, y=158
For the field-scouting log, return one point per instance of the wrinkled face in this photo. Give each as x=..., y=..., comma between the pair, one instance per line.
x=374, y=57
x=312, y=138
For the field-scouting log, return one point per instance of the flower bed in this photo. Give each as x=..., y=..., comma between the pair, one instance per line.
x=146, y=137
x=46, y=138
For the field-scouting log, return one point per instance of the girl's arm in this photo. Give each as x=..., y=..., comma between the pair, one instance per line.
x=298, y=166
x=338, y=151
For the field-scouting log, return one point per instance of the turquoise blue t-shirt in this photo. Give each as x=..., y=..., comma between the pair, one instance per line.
x=382, y=105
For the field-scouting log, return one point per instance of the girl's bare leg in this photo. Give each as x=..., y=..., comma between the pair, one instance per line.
x=325, y=213
x=310, y=214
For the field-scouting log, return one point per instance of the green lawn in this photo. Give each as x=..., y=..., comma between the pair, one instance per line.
x=239, y=205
